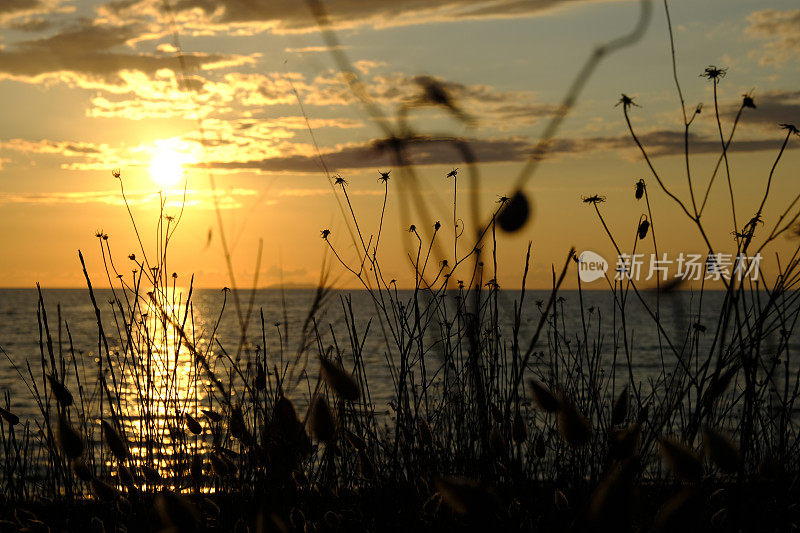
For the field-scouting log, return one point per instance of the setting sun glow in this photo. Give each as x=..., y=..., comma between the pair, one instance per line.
x=167, y=166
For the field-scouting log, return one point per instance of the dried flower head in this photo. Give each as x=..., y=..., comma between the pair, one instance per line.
x=747, y=101
x=626, y=101
x=384, y=176
x=340, y=181
x=412, y=228
x=644, y=225
x=452, y=174
x=753, y=222
x=437, y=225
x=791, y=128
x=715, y=73
x=325, y=234
x=594, y=199
x=639, y=189
x=116, y=173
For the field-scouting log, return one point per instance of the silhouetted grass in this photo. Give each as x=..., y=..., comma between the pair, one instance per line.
x=168, y=429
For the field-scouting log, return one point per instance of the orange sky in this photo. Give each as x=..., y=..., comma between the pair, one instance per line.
x=88, y=87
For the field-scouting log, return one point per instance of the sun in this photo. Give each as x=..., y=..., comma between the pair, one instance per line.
x=167, y=166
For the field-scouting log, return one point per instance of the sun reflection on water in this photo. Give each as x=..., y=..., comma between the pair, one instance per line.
x=157, y=382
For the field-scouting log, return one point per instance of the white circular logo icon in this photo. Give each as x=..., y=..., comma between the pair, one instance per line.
x=591, y=266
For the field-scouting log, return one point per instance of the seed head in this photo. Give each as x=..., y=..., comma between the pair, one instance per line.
x=594, y=199
x=384, y=176
x=340, y=381
x=9, y=417
x=644, y=225
x=747, y=101
x=639, y=189
x=452, y=174
x=791, y=128
x=325, y=233
x=715, y=73
x=340, y=181
x=626, y=101
x=323, y=425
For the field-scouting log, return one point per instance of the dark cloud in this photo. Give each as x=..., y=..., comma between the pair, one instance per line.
x=10, y=6
x=372, y=154
x=85, y=37
x=504, y=150
x=91, y=50
x=492, y=107
x=295, y=15
x=660, y=143
x=772, y=108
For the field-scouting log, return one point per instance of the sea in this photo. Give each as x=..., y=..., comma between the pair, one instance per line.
x=590, y=315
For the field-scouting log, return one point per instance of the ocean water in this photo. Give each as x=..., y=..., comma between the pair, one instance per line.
x=20, y=335
x=150, y=411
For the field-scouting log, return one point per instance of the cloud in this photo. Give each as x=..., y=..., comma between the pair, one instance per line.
x=306, y=193
x=88, y=55
x=222, y=100
x=197, y=198
x=426, y=151
x=77, y=155
x=31, y=24
x=782, y=31
x=370, y=155
x=505, y=110
x=314, y=49
x=295, y=17
x=773, y=108
x=14, y=13
x=10, y=6
x=67, y=148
